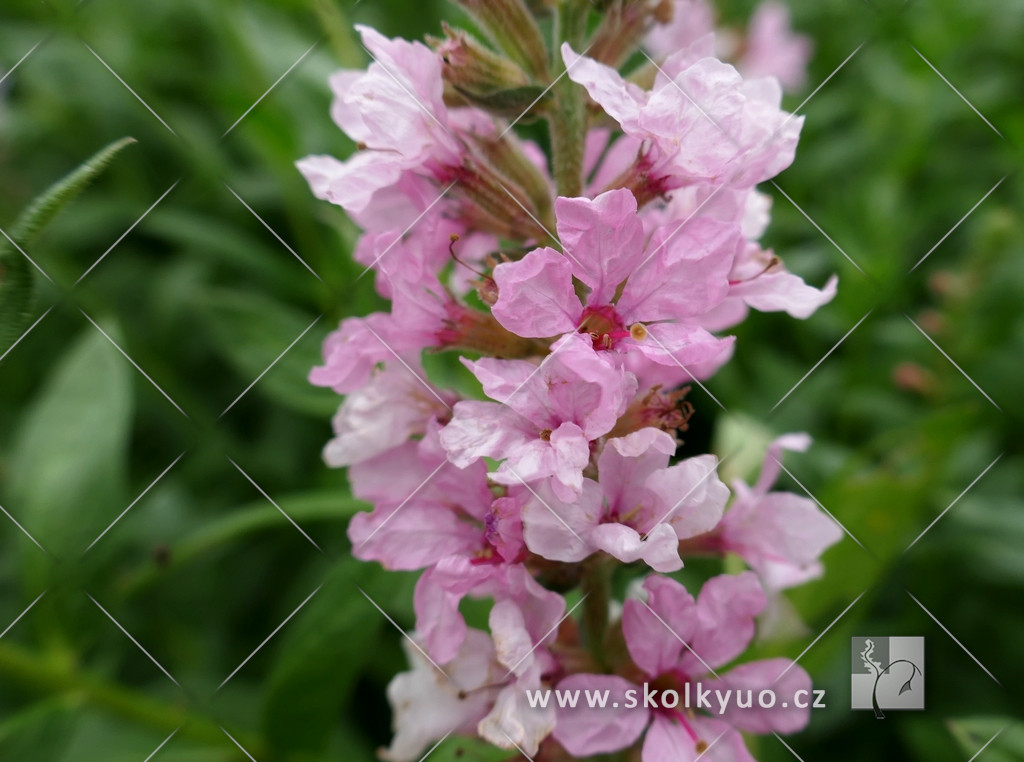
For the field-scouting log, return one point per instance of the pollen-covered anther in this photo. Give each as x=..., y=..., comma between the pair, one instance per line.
x=701, y=746
x=545, y=435
x=638, y=331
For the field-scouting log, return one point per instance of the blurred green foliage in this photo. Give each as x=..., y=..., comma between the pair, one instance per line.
x=203, y=297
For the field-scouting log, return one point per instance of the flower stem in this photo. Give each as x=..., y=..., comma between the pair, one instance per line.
x=597, y=587
x=57, y=676
x=567, y=118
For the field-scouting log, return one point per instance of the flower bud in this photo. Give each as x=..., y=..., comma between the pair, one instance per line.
x=514, y=30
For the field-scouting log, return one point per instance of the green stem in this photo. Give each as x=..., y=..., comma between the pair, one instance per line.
x=567, y=119
x=52, y=676
x=597, y=587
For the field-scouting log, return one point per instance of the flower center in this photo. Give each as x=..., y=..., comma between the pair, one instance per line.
x=604, y=326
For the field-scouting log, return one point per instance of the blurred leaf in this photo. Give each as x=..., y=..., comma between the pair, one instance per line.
x=974, y=732
x=68, y=466
x=39, y=733
x=252, y=332
x=321, y=655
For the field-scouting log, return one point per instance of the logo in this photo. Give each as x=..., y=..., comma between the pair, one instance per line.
x=887, y=673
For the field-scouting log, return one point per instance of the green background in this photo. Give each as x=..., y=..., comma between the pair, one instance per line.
x=204, y=297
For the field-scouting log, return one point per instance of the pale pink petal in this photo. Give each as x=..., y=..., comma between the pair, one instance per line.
x=655, y=632
x=620, y=99
x=690, y=496
x=603, y=238
x=726, y=611
x=585, y=731
x=410, y=536
x=684, y=346
x=555, y=529
x=513, y=722
x=659, y=549
x=763, y=675
x=782, y=291
x=536, y=296
x=482, y=429
x=668, y=741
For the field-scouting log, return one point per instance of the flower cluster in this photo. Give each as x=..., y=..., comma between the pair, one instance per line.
x=582, y=288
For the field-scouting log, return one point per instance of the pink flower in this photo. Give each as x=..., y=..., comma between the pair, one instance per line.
x=396, y=405
x=639, y=511
x=639, y=296
x=700, y=123
x=395, y=112
x=716, y=628
x=545, y=418
x=773, y=50
x=779, y=534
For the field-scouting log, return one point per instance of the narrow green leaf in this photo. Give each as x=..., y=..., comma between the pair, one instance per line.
x=318, y=661
x=252, y=332
x=46, y=206
x=16, y=274
x=974, y=732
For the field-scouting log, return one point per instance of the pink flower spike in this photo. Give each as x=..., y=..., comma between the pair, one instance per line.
x=773, y=50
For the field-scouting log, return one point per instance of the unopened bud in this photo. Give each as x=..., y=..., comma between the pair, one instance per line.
x=477, y=73
x=514, y=30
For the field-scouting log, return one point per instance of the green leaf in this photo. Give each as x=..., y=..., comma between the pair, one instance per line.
x=40, y=733
x=974, y=732
x=47, y=205
x=16, y=275
x=252, y=332
x=69, y=462
x=318, y=660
